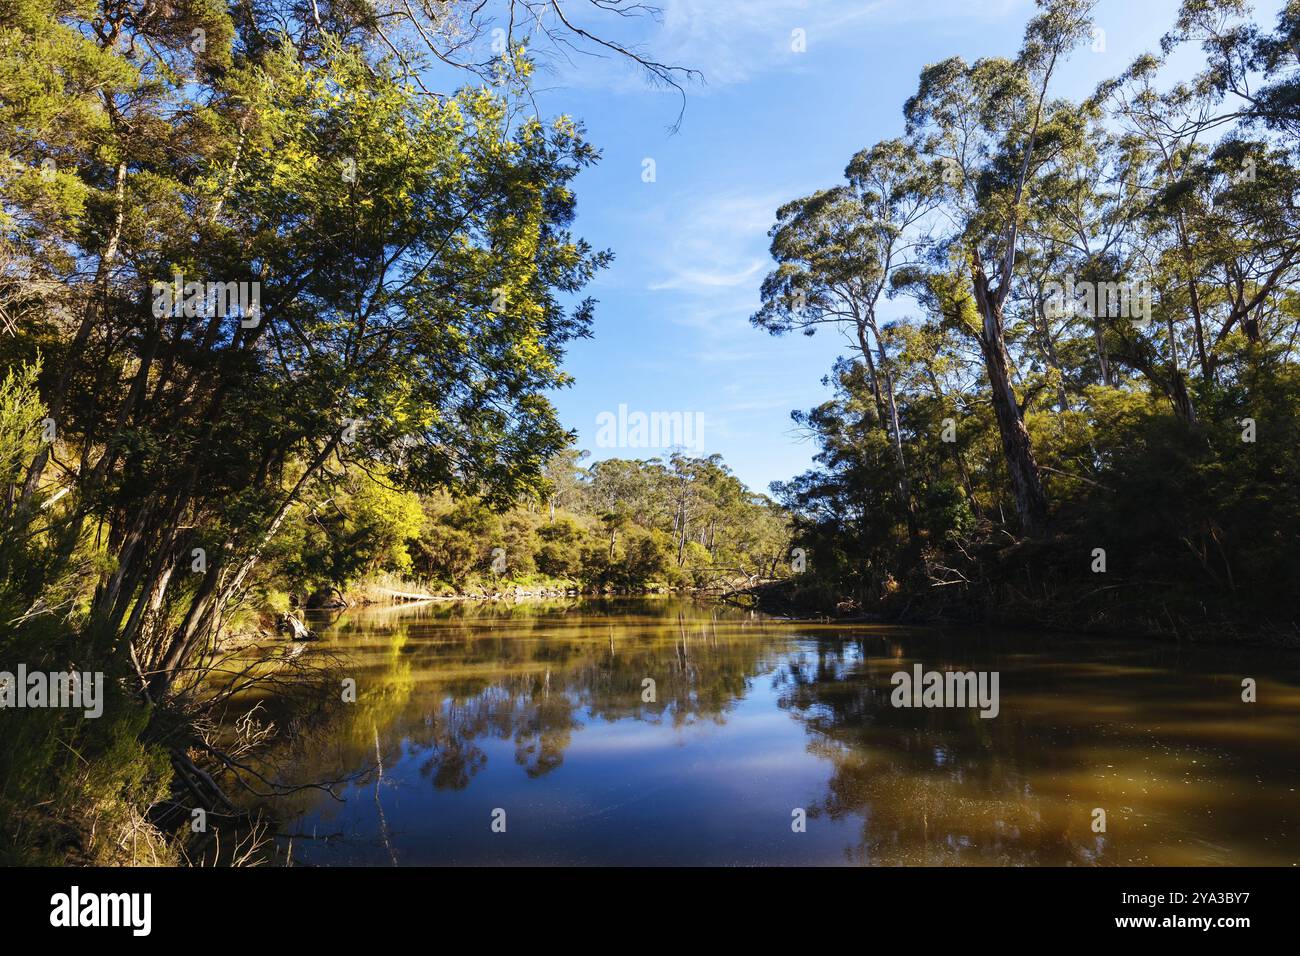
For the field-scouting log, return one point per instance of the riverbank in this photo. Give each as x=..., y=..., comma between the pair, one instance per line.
x=391, y=589
x=1103, y=610
x=1030, y=585
x=287, y=616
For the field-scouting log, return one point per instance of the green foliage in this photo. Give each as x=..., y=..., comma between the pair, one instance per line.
x=70, y=786
x=352, y=525
x=1036, y=424
x=560, y=551
x=624, y=525
x=412, y=282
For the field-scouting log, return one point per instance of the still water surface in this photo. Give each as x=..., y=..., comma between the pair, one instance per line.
x=537, y=709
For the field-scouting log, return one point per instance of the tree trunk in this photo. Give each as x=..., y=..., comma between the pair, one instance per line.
x=214, y=593
x=887, y=414
x=904, y=481
x=89, y=315
x=1103, y=357
x=1048, y=346
x=1026, y=481
x=1182, y=401
x=954, y=452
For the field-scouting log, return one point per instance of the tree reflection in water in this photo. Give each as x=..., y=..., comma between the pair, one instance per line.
x=1154, y=734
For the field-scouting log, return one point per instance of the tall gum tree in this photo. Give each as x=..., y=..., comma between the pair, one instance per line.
x=1217, y=219
x=989, y=127
x=838, y=252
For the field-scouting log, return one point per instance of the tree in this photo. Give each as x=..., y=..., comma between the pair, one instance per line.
x=838, y=253
x=991, y=129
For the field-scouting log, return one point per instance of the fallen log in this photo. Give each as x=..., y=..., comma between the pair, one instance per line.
x=298, y=631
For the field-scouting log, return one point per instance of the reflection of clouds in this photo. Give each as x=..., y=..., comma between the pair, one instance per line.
x=622, y=738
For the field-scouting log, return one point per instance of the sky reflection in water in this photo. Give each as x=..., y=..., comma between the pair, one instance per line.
x=537, y=709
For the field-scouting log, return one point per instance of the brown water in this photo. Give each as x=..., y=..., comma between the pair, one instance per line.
x=538, y=710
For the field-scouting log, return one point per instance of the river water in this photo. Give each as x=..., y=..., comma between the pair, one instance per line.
x=531, y=733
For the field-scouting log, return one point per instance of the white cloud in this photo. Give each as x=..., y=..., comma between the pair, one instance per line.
x=731, y=41
x=696, y=279
x=713, y=250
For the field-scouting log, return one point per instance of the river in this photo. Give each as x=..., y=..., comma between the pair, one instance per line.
x=662, y=731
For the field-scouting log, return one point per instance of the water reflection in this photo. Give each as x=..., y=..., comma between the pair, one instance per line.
x=545, y=710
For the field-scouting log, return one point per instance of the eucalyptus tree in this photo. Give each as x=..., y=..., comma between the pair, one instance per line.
x=1219, y=214
x=1247, y=240
x=838, y=252
x=1255, y=72
x=1251, y=78
x=835, y=506
x=691, y=494
x=992, y=130
x=635, y=489
x=1183, y=194
x=564, y=480
x=1083, y=224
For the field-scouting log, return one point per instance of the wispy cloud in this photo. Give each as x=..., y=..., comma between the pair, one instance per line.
x=713, y=249
x=732, y=41
x=696, y=279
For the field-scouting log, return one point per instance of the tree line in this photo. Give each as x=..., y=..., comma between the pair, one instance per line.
x=1091, y=415
x=616, y=524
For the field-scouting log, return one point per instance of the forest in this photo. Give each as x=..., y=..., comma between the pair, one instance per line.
x=1074, y=397
x=279, y=322
x=614, y=525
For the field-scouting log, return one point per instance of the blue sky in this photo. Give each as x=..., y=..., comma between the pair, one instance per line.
x=768, y=124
